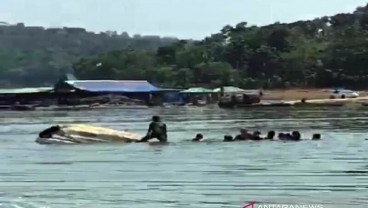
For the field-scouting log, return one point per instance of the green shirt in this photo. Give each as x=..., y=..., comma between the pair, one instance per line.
x=157, y=128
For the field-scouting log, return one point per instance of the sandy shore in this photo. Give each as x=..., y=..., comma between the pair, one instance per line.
x=298, y=94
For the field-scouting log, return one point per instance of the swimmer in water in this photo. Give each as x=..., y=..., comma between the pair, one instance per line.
x=288, y=136
x=157, y=129
x=198, y=138
x=256, y=136
x=281, y=136
x=296, y=136
x=244, y=135
x=228, y=138
x=270, y=135
x=316, y=137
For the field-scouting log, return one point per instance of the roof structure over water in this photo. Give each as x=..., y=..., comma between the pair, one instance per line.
x=113, y=85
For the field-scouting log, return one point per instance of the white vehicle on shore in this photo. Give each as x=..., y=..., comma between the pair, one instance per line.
x=343, y=93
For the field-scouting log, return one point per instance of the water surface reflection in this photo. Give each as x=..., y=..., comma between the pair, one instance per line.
x=333, y=171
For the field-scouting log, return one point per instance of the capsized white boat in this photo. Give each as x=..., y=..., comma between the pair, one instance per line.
x=82, y=133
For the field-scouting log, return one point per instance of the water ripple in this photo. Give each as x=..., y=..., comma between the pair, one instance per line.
x=332, y=172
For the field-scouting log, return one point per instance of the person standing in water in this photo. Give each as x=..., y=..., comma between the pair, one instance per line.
x=157, y=129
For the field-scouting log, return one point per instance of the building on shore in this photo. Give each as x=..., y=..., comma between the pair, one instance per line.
x=135, y=89
x=71, y=91
x=198, y=96
x=26, y=95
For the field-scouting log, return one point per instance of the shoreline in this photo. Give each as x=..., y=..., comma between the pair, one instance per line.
x=300, y=93
x=314, y=97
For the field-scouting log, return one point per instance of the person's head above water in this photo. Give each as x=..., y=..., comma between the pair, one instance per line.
x=198, y=137
x=271, y=134
x=316, y=137
x=47, y=133
x=296, y=135
x=156, y=118
x=228, y=138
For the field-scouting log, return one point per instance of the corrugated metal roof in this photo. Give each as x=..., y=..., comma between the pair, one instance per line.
x=113, y=85
x=25, y=90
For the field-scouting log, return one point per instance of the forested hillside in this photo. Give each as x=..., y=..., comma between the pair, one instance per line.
x=323, y=52
x=35, y=56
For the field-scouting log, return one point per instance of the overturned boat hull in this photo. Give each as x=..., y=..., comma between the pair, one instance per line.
x=81, y=134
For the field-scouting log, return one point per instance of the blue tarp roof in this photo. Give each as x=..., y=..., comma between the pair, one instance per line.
x=113, y=85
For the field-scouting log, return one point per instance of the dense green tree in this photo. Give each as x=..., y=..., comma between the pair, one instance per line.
x=324, y=52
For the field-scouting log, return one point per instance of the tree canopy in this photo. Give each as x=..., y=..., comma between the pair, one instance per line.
x=35, y=56
x=329, y=51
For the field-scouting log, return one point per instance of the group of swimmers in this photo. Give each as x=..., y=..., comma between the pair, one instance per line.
x=256, y=136
x=157, y=129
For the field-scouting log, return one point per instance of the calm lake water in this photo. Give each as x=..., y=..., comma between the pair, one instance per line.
x=333, y=172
